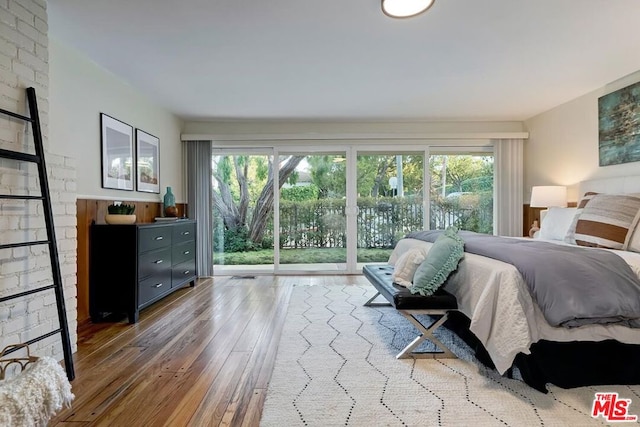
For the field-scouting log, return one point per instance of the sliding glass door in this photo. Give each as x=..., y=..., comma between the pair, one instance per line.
x=390, y=201
x=312, y=213
x=461, y=192
x=314, y=210
x=242, y=192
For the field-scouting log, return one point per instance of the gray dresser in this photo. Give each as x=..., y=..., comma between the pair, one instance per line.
x=133, y=266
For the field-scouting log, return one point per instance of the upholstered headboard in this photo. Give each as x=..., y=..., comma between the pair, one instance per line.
x=617, y=185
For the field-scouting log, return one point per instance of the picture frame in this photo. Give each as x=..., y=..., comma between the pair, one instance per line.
x=147, y=162
x=117, y=153
x=619, y=126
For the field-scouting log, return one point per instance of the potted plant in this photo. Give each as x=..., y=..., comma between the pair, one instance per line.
x=120, y=214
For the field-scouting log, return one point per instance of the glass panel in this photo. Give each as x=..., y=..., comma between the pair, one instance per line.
x=390, y=202
x=242, y=212
x=461, y=192
x=312, y=214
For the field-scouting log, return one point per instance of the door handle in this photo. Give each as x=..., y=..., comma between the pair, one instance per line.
x=158, y=285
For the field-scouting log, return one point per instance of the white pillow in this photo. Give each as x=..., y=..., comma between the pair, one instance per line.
x=407, y=264
x=403, y=246
x=556, y=223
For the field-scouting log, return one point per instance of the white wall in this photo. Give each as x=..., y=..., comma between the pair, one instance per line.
x=563, y=144
x=24, y=62
x=80, y=91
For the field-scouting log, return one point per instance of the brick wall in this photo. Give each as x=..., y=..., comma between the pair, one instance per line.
x=24, y=62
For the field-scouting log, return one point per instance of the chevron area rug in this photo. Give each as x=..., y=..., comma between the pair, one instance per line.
x=336, y=366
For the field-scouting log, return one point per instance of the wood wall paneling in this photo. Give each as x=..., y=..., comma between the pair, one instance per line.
x=88, y=211
x=530, y=215
x=82, y=279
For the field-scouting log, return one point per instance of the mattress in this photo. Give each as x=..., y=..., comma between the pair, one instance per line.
x=504, y=316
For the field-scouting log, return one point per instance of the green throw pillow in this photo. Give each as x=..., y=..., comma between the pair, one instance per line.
x=441, y=261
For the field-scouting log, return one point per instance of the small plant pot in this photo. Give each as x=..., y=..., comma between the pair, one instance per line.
x=119, y=219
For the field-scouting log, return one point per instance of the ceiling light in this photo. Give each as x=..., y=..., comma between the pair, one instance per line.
x=405, y=8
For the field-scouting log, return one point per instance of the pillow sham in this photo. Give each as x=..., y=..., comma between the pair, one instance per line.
x=556, y=223
x=441, y=261
x=406, y=266
x=571, y=234
x=634, y=241
x=403, y=246
x=607, y=221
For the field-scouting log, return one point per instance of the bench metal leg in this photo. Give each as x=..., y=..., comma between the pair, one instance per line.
x=371, y=303
x=426, y=333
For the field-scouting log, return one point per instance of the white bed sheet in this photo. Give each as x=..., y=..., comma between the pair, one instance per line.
x=503, y=314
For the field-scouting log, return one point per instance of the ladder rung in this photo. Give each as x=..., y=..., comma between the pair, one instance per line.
x=25, y=293
x=41, y=337
x=12, y=197
x=34, y=340
x=16, y=115
x=22, y=244
x=17, y=155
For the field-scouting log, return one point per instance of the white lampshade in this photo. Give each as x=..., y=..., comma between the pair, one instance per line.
x=405, y=8
x=545, y=196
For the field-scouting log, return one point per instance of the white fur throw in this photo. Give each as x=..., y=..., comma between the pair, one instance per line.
x=32, y=397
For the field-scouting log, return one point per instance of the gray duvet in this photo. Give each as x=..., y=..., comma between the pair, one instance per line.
x=573, y=286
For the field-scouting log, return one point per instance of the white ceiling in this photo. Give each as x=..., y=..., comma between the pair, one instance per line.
x=346, y=60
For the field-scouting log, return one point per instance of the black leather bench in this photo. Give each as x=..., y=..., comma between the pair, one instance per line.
x=437, y=306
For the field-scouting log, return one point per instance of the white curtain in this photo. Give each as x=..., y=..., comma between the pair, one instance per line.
x=199, y=204
x=507, y=205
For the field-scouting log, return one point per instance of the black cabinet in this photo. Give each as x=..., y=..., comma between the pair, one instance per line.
x=133, y=266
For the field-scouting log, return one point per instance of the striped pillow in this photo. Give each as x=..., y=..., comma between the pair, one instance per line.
x=571, y=233
x=607, y=221
x=634, y=241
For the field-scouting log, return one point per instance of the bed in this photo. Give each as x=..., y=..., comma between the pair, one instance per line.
x=512, y=329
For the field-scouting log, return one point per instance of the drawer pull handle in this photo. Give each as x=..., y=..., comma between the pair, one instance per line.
x=160, y=261
x=186, y=233
x=186, y=272
x=159, y=238
x=186, y=252
x=157, y=285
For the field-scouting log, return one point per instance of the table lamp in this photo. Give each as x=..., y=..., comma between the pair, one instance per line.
x=546, y=196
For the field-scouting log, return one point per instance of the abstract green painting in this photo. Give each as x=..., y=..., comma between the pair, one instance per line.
x=619, y=126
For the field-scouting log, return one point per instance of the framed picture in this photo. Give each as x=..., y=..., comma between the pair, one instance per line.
x=148, y=162
x=117, y=153
x=619, y=126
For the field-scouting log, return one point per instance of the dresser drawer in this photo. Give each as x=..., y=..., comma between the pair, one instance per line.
x=184, y=272
x=150, y=238
x=154, y=262
x=184, y=232
x=153, y=287
x=183, y=252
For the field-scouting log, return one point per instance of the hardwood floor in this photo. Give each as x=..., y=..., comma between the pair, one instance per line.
x=202, y=356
